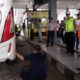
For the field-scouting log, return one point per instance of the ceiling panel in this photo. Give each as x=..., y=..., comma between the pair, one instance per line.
x=22, y=3
x=61, y=4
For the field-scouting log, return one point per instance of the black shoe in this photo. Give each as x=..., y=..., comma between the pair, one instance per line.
x=40, y=41
x=51, y=45
x=78, y=68
x=72, y=53
x=47, y=45
x=66, y=52
x=77, y=48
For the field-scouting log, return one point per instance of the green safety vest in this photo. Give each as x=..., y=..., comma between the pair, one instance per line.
x=19, y=29
x=69, y=25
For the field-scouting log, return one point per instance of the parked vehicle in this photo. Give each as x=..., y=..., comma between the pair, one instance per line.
x=7, y=33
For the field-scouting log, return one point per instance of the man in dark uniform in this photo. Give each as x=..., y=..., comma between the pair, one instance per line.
x=37, y=70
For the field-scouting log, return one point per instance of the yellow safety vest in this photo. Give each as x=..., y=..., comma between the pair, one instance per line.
x=69, y=25
x=19, y=29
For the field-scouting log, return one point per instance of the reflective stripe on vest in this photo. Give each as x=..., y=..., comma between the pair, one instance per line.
x=69, y=25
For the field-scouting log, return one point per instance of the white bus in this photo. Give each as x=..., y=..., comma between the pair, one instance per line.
x=7, y=36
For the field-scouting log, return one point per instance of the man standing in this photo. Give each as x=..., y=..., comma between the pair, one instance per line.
x=77, y=21
x=69, y=33
x=62, y=25
x=40, y=30
x=51, y=30
x=58, y=28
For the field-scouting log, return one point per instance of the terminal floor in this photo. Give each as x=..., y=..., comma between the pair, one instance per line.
x=12, y=71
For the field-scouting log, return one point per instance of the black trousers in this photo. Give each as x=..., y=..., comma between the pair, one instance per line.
x=26, y=74
x=50, y=39
x=61, y=34
x=77, y=40
x=70, y=41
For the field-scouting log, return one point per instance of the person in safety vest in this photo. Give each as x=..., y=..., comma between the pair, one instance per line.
x=77, y=21
x=18, y=30
x=69, y=33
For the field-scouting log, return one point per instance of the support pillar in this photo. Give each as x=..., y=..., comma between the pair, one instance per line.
x=53, y=13
x=53, y=9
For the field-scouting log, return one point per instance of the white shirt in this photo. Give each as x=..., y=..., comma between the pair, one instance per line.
x=57, y=26
x=77, y=24
x=51, y=26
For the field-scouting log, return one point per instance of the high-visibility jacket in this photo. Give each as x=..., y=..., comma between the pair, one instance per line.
x=18, y=28
x=69, y=25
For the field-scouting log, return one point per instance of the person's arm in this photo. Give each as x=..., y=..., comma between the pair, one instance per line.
x=75, y=26
x=64, y=26
x=20, y=56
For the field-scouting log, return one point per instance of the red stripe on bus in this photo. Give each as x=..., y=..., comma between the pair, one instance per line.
x=6, y=33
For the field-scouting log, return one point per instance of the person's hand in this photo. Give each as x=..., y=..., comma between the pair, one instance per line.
x=15, y=51
x=19, y=56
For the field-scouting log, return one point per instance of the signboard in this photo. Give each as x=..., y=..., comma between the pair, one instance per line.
x=37, y=14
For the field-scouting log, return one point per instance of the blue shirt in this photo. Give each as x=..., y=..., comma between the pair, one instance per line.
x=38, y=66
